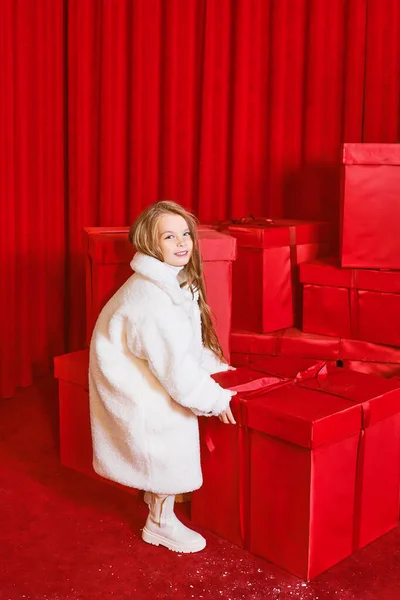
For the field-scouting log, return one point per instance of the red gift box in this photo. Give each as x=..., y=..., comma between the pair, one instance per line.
x=370, y=207
x=335, y=488
x=265, y=278
x=71, y=370
x=107, y=268
x=357, y=355
x=76, y=452
x=355, y=304
x=218, y=504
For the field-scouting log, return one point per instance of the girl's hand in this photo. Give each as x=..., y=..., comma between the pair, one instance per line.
x=227, y=417
x=230, y=368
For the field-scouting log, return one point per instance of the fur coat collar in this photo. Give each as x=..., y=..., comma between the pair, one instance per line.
x=165, y=276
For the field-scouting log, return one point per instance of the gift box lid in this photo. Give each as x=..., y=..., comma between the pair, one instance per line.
x=293, y=342
x=379, y=397
x=301, y=416
x=271, y=233
x=262, y=372
x=266, y=373
x=73, y=367
x=243, y=379
x=319, y=410
x=110, y=245
x=288, y=342
x=371, y=154
x=328, y=272
x=368, y=352
x=287, y=367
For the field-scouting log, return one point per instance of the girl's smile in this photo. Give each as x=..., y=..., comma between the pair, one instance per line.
x=175, y=241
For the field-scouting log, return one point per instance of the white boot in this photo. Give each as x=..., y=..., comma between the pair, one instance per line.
x=164, y=528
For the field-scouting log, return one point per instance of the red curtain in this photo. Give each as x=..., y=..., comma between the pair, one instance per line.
x=32, y=241
x=226, y=107
x=382, y=72
x=134, y=98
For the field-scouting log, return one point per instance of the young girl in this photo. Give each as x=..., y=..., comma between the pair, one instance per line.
x=152, y=354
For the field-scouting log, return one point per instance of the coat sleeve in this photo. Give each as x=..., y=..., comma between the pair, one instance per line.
x=163, y=342
x=211, y=363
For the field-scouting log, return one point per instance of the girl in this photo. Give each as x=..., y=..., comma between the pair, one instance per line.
x=152, y=354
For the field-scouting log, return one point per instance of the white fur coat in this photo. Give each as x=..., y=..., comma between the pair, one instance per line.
x=149, y=376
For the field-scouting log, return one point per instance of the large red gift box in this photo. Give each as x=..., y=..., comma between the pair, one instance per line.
x=218, y=504
x=107, y=268
x=265, y=279
x=349, y=303
x=357, y=355
x=312, y=471
x=319, y=487
x=71, y=370
x=370, y=206
x=76, y=453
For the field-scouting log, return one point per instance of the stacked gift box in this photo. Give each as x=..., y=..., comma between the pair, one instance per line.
x=358, y=295
x=356, y=355
x=311, y=471
x=287, y=284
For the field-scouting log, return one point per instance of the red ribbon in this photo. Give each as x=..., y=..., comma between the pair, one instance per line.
x=354, y=307
x=293, y=270
x=278, y=340
x=249, y=220
x=208, y=440
x=358, y=490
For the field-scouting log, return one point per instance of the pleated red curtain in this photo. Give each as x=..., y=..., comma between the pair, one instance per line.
x=32, y=241
x=229, y=108
x=382, y=72
x=282, y=88
x=134, y=98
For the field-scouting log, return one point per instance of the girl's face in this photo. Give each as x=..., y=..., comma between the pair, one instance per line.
x=174, y=240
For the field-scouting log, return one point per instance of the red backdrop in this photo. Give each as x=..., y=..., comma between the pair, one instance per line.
x=32, y=225
x=226, y=107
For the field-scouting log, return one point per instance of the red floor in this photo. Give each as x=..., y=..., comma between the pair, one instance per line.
x=67, y=537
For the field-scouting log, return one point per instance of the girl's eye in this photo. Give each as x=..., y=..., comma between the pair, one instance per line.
x=169, y=237
x=187, y=233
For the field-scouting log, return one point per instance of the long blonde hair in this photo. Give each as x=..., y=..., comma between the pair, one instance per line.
x=143, y=235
